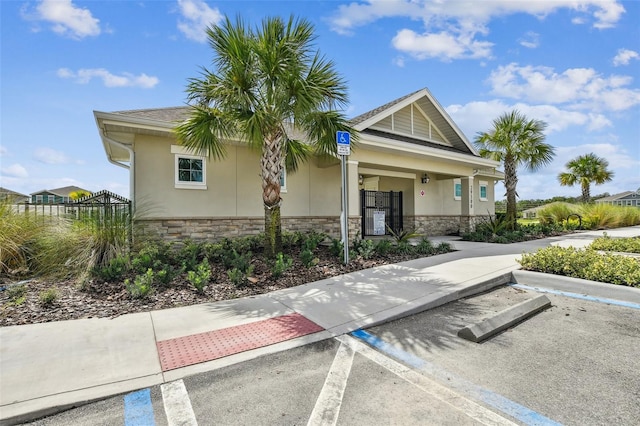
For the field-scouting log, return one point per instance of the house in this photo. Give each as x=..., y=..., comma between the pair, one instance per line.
x=55, y=196
x=628, y=198
x=412, y=169
x=12, y=196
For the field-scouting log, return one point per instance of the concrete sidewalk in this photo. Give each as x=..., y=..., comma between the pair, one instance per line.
x=45, y=368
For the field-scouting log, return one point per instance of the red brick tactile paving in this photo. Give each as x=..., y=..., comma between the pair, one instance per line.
x=202, y=347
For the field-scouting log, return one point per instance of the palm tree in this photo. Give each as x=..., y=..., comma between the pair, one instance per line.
x=265, y=80
x=586, y=169
x=515, y=141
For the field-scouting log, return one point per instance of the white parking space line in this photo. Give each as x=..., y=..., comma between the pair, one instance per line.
x=329, y=401
x=177, y=404
x=457, y=401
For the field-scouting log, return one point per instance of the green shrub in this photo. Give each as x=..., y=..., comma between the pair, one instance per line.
x=17, y=294
x=336, y=248
x=308, y=259
x=364, y=248
x=141, y=286
x=189, y=256
x=586, y=264
x=403, y=247
x=166, y=275
x=281, y=264
x=239, y=277
x=48, y=297
x=424, y=247
x=383, y=247
x=201, y=276
x=403, y=235
x=606, y=243
x=313, y=239
x=114, y=271
x=444, y=247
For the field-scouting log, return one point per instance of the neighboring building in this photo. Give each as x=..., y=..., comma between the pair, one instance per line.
x=628, y=198
x=412, y=168
x=55, y=196
x=13, y=196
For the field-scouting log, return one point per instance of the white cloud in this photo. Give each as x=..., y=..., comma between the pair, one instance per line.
x=443, y=45
x=51, y=156
x=451, y=28
x=530, y=40
x=197, y=16
x=582, y=88
x=3, y=151
x=624, y=56
x=84, y=76
x=478, y=116
x=15, y=170
x=65, y=18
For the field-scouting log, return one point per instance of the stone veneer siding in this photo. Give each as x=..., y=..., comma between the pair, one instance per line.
x=443, y=225
x=213, y=229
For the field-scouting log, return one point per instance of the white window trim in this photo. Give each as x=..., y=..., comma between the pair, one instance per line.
x=182, y=152
x=486, y=190
x=283, y=188
x=457, y=182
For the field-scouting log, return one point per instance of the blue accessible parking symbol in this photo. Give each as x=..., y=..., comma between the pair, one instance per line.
x=344, y=143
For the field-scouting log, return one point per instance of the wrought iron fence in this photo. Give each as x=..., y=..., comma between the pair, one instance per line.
x=104, y=212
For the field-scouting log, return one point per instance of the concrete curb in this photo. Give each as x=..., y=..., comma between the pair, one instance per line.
x=504, y=319
x=576, y=285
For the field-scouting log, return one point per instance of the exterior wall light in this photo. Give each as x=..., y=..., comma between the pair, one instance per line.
x=425, y=178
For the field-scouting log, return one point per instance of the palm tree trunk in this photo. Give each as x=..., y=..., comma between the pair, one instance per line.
x=586, y=192
x=510, y=184
x=271, y=167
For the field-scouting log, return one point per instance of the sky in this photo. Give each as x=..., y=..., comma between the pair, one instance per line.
x=574, y=64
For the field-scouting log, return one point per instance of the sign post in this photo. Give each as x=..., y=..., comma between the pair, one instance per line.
x=343, y=139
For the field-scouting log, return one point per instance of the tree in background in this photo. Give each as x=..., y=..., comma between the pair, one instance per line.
x=264, y=81
x=81, y=193
x=515, y=141
x=586, y=169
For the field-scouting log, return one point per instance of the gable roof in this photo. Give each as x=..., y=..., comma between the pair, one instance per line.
x=436, y=131
x=424, y=106
x=7, y=193
x=61, y=192
x=621, y=195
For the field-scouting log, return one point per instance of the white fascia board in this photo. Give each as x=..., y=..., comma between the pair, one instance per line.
x=398, y=147
x=133, y=122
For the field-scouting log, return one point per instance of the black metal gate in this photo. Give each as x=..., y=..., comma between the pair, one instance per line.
x=381, y=211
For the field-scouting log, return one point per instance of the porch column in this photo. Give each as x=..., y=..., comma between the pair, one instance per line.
x=467, y=212
x=352, y=188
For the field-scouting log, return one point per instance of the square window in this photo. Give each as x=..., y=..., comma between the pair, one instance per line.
x=190, y=172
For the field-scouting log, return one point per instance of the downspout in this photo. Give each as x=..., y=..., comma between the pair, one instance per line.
x=129, y=167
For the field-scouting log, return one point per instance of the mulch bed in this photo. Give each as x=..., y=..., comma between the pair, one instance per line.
x=99, y=299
